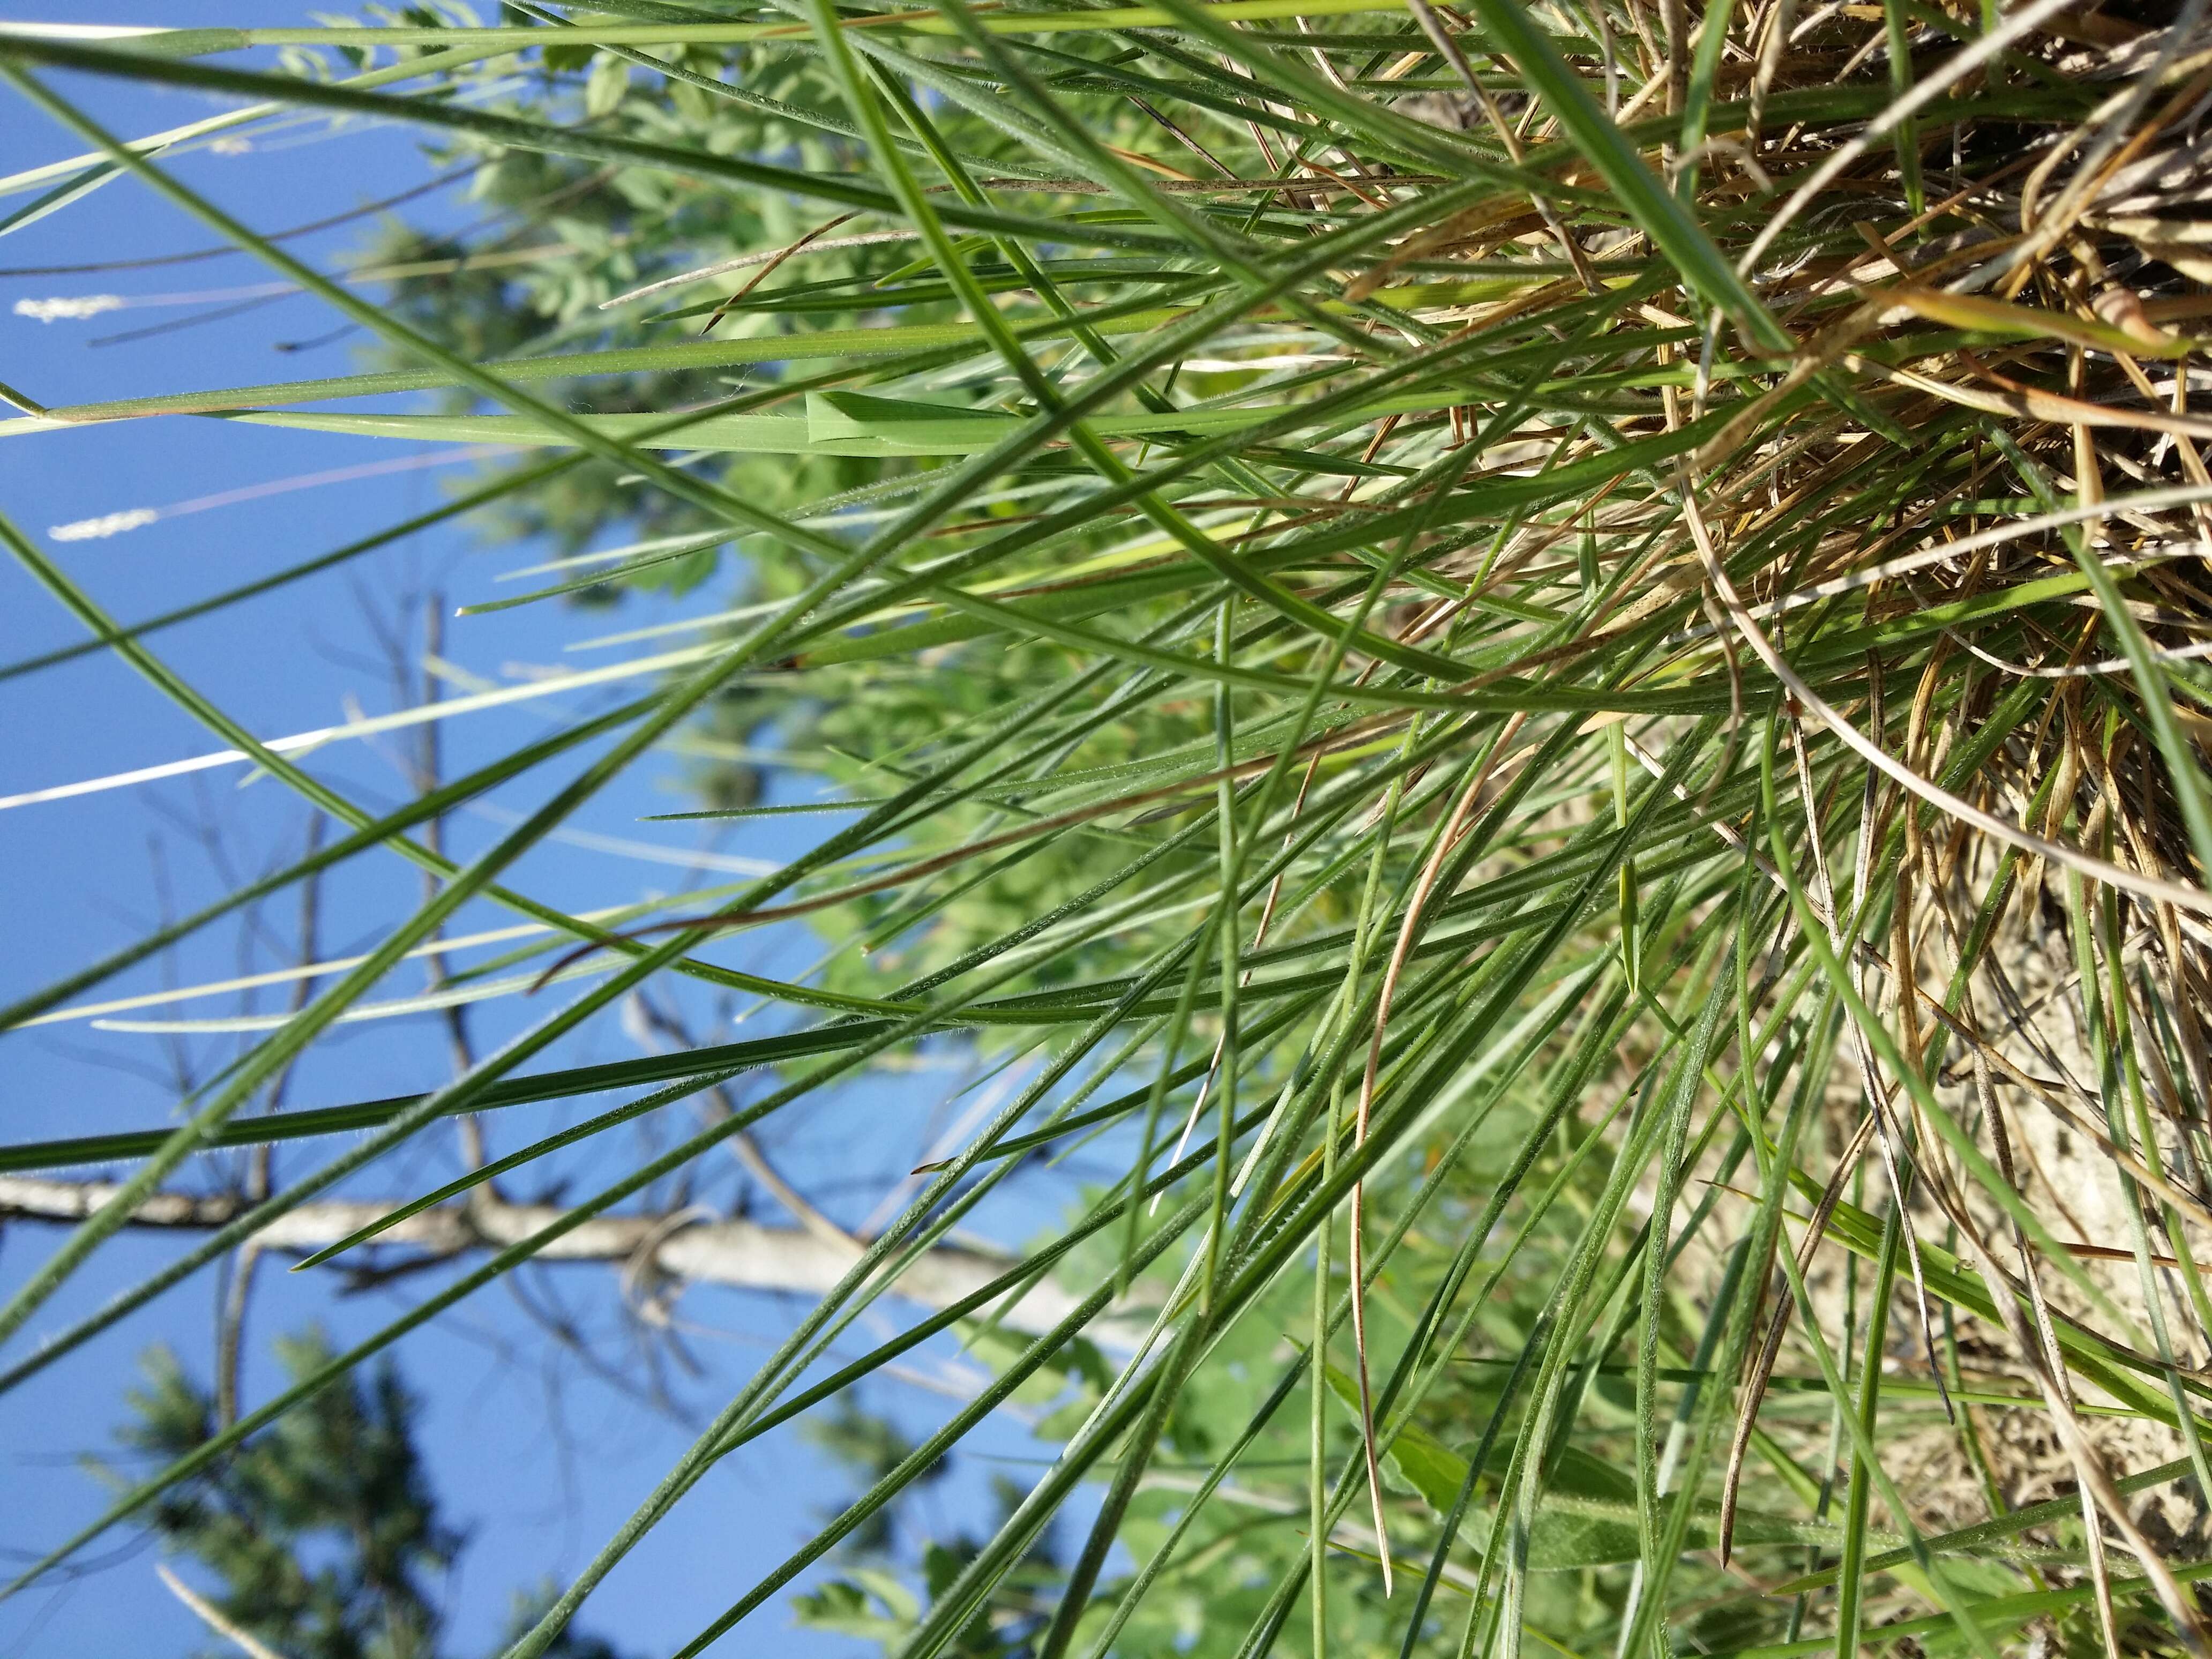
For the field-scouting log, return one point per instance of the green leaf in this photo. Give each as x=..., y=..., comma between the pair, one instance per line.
x=606, y=87
x=1588, y=1518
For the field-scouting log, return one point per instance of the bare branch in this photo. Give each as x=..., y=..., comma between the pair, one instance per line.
x=212, y=1617
x=738, y=1254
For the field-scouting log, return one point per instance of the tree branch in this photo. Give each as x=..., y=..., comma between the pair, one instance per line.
x=212, y=1617
x=741, y=1255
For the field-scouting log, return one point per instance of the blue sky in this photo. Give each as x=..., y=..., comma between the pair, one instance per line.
x=537, y=1458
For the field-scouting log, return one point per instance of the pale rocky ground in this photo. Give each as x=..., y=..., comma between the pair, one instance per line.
x=2070, y=1182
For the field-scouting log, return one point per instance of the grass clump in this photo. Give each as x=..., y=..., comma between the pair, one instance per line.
x=1545, y=663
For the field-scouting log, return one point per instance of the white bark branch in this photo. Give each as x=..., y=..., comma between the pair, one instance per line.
x=741, y=1255
x=212, y=1616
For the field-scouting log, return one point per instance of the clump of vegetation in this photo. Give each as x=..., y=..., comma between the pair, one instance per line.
x=1544, y=662
x=324, y=1535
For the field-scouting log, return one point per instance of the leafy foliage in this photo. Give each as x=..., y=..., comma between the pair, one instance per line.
x=873, y=1600
x=324, y=1535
